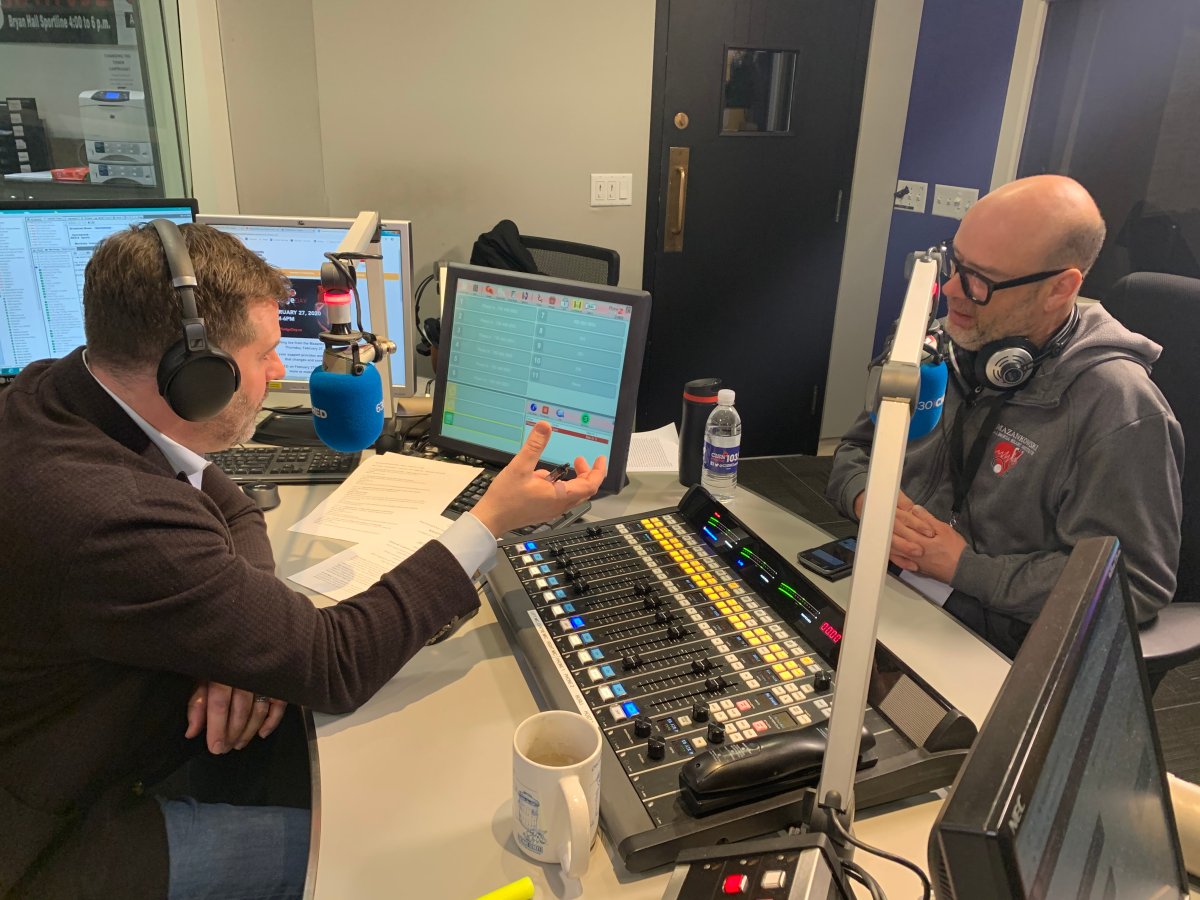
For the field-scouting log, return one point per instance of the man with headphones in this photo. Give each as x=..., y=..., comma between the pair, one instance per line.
x=1051, y=430
x=139, y=586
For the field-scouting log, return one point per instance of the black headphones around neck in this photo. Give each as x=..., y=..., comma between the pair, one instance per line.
x=195, y=378
x=1008, y=363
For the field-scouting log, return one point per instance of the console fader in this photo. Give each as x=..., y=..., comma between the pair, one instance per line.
x=679, y=629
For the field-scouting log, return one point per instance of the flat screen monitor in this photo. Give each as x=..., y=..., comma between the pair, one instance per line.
x=517, y=349
x=1064, y=792
x=298, y=247
x=44, y=248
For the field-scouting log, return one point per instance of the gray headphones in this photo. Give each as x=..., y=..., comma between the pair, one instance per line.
x=1008, y=363
x=195, y=378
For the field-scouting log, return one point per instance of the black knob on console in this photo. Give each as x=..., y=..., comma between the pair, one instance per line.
x=564, y=558
x=676, y=632
x=581, y=586
x=661, y=617
x=639, y=589
x=594, y=531
x=656, y=748
x=716, y=733
x=570, y=573
x=642, y=726
x=713, y=685
x=700, y=712
x=630, y=662
x=823, y=680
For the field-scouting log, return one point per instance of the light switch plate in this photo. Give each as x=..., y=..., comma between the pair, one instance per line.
x=953, y=202
x=611, y=190
x=910, y=195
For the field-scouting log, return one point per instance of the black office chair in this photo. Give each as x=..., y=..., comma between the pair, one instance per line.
x=579, y=262
x=1166, y=309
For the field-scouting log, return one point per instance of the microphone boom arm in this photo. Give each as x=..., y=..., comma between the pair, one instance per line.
x=894, y=402
x=343, y=353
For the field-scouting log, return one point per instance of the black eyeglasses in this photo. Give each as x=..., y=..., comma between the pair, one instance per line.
x=976, y=285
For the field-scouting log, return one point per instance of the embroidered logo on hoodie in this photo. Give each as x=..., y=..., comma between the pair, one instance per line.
x=1005, y=456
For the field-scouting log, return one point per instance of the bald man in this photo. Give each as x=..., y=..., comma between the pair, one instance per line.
x=1079, y=442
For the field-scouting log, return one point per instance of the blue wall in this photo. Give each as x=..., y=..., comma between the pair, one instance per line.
x=960, y=79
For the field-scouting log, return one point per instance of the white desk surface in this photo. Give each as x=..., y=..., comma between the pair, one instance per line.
x=415, y=786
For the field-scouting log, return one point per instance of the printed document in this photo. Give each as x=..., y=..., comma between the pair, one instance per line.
x=354, y=570
x=384, y=494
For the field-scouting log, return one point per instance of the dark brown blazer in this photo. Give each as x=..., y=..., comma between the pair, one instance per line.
x=121, y=588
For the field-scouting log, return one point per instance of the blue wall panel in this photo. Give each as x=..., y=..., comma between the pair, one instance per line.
x=960, y=79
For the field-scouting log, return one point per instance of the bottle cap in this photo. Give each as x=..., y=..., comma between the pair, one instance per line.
x=725, y=397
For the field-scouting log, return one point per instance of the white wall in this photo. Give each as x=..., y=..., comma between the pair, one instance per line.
x=454, y=115
x=268, y=52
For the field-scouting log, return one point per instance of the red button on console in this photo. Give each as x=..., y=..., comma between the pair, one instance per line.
x=735, y=884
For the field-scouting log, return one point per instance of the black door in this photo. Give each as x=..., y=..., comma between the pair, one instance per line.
x=755, y=121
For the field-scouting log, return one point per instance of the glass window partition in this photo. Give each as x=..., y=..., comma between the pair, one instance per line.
x=87, y=109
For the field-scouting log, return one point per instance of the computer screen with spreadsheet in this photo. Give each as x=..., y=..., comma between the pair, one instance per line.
x=517, y=349
x=298, y=247
x=44, y=249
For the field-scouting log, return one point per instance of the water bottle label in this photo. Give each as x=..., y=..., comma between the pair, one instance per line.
x=720, y=460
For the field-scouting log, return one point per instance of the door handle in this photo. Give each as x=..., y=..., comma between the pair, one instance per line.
x=681, y=209
x=677, y=185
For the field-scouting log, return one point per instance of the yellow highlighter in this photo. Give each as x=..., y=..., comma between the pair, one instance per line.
x=518, y=890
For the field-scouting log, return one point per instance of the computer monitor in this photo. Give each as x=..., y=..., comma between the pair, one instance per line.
x=517, y=349
x=44, y=248
x=297, y=247
x=1064, y=792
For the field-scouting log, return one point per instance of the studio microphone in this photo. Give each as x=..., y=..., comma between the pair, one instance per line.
x=346, y=391
x=930, y=400
x=934, y=375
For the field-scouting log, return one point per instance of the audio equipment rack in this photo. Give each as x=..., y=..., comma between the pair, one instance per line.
x=680, y=628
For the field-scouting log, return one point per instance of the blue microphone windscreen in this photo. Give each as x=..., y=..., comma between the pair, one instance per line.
x=930, y=401
x=347, y=409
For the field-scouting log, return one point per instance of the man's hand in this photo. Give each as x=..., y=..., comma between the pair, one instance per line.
x=939, y=553
x=520, y=495
x=920, y=542
x=231, y=717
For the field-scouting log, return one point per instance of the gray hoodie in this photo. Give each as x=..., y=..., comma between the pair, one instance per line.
x=1088, y=447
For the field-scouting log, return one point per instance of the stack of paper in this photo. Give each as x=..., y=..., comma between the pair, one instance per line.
x=391, y=505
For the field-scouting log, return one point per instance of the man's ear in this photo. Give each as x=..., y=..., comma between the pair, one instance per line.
x=1063, y=289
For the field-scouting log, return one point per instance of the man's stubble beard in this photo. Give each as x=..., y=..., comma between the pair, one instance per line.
x=235, y=423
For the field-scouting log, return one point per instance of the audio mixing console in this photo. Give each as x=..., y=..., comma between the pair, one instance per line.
x=678, y=630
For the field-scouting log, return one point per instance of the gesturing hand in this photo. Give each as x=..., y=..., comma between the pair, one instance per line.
x=230, y=716
x=520, y=494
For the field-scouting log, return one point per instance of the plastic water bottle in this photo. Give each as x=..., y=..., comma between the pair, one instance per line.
x=722, y=445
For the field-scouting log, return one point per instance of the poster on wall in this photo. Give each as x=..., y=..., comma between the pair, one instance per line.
x=58, y=22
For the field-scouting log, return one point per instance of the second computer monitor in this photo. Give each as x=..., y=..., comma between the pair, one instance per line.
x=297, y=247
x=1064, y=793
x=517, y=349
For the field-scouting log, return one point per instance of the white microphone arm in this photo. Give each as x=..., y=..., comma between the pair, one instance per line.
x=343, y=353
x=894, y=402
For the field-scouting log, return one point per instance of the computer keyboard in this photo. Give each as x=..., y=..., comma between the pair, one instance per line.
x=286, y=465
x=470, y=495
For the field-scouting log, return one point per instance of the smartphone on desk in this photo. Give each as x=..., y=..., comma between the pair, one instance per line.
x=832, y=560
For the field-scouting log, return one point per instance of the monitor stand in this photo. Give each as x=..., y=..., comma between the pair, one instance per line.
x=287, y=430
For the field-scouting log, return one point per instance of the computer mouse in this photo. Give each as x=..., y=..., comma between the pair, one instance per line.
x=265, y=494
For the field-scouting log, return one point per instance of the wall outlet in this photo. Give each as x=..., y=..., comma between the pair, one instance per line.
x=612, y=190
x=910, y=195
x=953, y=202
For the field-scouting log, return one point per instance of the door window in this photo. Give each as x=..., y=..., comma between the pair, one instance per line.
x=756, y=97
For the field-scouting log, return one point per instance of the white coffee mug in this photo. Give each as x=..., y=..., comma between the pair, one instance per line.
x=556, y=788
